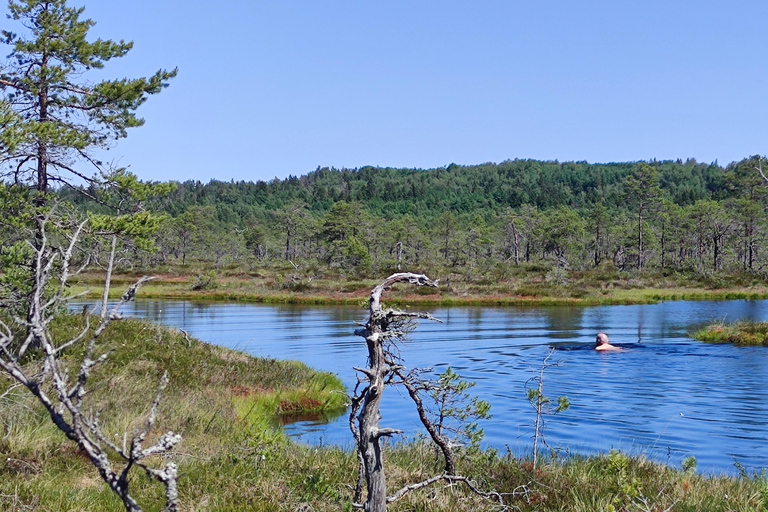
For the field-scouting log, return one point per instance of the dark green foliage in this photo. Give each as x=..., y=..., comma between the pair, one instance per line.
x=705, y=223
x=392, y=193
x=205, y=282
x=458, y=412
x=54, y=116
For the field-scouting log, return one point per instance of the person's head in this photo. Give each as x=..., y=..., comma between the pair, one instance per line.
x=601, y=339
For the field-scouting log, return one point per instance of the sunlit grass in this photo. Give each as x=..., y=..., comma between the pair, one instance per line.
x=526, y=285
x=738, y=333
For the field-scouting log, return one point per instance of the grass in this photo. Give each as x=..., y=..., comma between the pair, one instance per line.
x=524, y=285
x=738, y=333
x=222, y=401
x=234, y=457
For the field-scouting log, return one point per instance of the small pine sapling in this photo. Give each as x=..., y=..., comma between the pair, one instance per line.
x=543, y=405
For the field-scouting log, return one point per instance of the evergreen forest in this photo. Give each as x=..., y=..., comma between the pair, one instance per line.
x=659, y=216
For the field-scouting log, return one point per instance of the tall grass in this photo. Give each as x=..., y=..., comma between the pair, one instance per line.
x=738, y=333
x=516, y=286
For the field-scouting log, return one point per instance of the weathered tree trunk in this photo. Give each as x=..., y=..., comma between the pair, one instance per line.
x=42, y=147
x=184, y=242
x=288, y=245
x=716, y=253
x=597, y=258
x=377, y=331
x=751, y=245
x=370, y=431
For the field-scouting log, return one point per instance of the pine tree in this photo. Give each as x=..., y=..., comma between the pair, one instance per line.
x=61, y=116
x=643, y=191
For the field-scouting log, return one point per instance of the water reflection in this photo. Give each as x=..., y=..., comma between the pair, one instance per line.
x=666, y=396
x=563, y=322
x=309, y=418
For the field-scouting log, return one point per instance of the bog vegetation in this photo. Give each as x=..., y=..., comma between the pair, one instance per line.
x=80, y=430
x=738, y=333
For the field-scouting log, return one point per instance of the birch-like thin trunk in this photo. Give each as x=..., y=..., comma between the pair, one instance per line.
x=537, y=426
x=640, y=238
x=108, y=280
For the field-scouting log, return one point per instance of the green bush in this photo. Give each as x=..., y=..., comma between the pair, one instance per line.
x=205, y=282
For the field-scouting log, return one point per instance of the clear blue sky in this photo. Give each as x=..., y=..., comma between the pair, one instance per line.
x=271, y=88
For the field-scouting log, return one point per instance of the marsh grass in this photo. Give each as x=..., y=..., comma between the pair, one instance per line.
x=526, y=285
x=738, y=333
x=209, y=389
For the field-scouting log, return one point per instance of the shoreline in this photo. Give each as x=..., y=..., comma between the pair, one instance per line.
x=331, y=293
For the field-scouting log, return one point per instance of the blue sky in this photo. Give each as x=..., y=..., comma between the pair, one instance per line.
x=268, y=89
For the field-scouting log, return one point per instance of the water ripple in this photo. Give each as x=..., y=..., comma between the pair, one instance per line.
x=666, y=396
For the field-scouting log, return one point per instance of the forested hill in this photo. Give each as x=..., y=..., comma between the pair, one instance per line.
x=461, y=189
x=573, y=215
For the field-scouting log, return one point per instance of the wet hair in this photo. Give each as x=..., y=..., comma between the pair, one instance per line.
x=601, y=338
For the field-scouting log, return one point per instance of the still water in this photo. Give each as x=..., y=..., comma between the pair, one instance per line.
x=666, y=396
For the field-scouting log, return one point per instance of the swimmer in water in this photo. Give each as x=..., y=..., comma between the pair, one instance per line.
x=602, y=343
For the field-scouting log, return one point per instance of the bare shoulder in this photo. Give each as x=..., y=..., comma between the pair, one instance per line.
x=609, y=348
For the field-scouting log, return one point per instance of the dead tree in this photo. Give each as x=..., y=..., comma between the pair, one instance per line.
x=383, y=329
x=34, y=360
x=759, y=168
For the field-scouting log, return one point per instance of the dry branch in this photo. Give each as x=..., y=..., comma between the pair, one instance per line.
x=63, y=398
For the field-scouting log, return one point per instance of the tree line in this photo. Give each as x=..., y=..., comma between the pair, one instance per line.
x=574, y=216
x=362, y=222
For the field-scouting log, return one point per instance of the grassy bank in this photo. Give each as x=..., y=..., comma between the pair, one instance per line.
x=524, y=288
x=225, y=403
x=235, y=458
x=738, y=333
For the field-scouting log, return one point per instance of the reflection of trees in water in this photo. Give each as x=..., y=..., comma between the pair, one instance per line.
x=205, y=308
x=344, y=314
x=290, y=318
x=598, y=320
x=563, y=321
x=314, y=321
x=296, y=312
x=475, y=316
x=316, y=418
x=290, y=312
x=156, y=311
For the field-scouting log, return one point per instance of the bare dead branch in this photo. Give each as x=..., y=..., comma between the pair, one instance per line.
x=759, y=168
x=451, y=479
x=10, y=390
x=65, y=404
x=439, y=440
x=415, y=279
x=413, y=487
